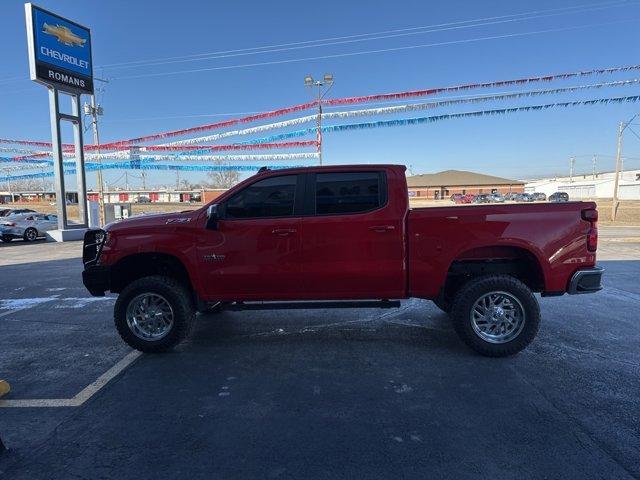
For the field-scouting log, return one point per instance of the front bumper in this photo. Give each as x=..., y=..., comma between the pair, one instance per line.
x=96, y=279
x=587, y=280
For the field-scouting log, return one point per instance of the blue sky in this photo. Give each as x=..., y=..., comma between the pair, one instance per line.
x=519, y=145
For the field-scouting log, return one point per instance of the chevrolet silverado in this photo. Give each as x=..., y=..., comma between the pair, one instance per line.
x=343, y=236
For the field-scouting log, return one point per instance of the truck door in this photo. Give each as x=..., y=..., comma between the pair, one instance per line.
x=254, y=252
x=353, y=237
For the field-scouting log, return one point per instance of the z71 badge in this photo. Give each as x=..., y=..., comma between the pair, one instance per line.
x=178, y=220
x=213, y=258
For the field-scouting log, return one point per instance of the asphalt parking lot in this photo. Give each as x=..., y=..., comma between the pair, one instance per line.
x=314, y=394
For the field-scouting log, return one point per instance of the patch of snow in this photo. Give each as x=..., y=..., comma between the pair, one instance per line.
x=20, y=303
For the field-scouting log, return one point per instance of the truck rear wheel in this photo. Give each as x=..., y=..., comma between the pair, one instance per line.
x=154, y=314
x=496, y=315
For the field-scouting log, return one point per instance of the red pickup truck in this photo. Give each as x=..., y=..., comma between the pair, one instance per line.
x=343, y=236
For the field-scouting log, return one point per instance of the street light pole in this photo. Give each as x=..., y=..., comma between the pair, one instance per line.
x=327, y=82
x=319, y=130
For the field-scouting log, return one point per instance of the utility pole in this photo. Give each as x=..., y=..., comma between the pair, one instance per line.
x=572, y=160
x=614, y=205
x=327, y=82
x=594, y=160
x=94, y=110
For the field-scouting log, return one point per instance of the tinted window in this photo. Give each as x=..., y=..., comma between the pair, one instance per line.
x=347, y=192
x=271, y=197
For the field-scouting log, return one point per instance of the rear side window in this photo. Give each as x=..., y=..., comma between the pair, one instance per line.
x=348, y=192
x=271, y=197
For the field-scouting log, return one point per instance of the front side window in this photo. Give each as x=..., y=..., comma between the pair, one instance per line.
x=271, y=197
x=348, y=192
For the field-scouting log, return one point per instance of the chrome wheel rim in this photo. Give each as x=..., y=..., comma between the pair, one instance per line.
x=497, y=317
x=149, y=316
x=31, y=234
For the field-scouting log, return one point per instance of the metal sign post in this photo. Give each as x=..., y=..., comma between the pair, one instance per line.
x=58, y=159
x=60, y=58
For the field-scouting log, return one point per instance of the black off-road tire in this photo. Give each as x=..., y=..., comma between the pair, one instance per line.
x=6, y=238
x=181, y=303
x=466, y=297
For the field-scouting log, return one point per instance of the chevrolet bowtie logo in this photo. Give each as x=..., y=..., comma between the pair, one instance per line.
x=64, y=35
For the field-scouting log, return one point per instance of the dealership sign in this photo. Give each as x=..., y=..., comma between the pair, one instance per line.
x=59, y=51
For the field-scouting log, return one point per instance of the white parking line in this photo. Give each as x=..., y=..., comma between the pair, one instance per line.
x=84, y=395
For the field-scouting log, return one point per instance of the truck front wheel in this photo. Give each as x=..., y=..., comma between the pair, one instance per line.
x=496, y=315
x=154, y=314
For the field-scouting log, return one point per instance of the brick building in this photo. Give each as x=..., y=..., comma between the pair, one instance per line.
x=442, y=185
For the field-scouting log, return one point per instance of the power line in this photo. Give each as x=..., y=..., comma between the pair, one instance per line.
x=262, y=50
x=367, y=52
x=359, y=37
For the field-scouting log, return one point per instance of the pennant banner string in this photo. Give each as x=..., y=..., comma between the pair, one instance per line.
x=343, y=101
x=400, y=108
x=437, y=118
x=135, y=166
x=188, y=148
x=385, y=96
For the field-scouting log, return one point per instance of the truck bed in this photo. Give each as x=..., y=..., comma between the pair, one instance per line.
x=554, y=233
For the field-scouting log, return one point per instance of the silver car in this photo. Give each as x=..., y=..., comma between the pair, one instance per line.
x=28, y=226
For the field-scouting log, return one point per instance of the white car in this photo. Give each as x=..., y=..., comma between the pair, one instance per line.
x=27, y=226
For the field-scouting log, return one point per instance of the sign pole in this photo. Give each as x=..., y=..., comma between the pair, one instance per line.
x=58, y=165
x=80, y=173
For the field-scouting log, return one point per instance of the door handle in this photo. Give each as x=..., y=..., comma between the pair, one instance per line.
x=382, y=228
x=283, y=232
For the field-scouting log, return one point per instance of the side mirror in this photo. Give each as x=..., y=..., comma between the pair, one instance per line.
x=212, y=217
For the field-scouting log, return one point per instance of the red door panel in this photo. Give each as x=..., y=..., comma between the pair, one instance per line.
x=254, y=259
x=354, y=255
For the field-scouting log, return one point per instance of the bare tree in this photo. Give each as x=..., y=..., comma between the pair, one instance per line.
x=222, y=178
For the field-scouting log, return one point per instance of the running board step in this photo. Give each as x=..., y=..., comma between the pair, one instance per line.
x=312, y=305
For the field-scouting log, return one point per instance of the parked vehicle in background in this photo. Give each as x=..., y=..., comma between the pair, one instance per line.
x=457, y=197
x=482, y=198
x=510, y=197
x=28, y=226
x=143, y=200
x=5, y=212
x=497, y=198
x=539, y=197
x=523, y=197
x=316, y=237
x=465, y=199
x=559, y=197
